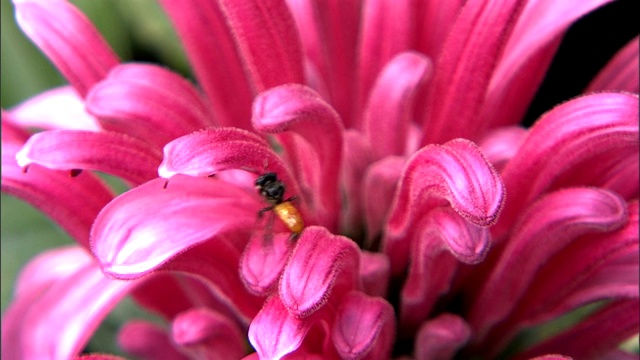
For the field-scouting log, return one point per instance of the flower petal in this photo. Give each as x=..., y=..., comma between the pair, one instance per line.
x=364, y=327
x=148, y=102
x=502, y=144
x=386, y=30
x=326, y=262
x=456, y=173
x=357, y=159
x=549, y=225
x=59, y=108
x=440, y=338
x=263, y=261
x=133, y=235
x=72, y=202
x=203, y=333
x=564, y=144
x=68, y=39
x=621, y=73
x=465, y=66
x=528, y=53
x=300, y=110
x=110, y=152
x=389, y=109
x=76, y=303
x=147, y=340
x=374, y=273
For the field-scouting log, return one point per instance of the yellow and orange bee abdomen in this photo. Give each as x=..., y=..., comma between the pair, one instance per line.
x=290, y=216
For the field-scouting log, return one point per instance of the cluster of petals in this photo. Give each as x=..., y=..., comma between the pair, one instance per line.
x=392, y=122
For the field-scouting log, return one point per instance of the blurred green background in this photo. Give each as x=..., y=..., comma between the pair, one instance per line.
x=138, y=31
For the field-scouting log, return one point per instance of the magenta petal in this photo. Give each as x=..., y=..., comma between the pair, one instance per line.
x=374, y=273
x=98, y=357
x=148, y=102
x=386, y=30
x=68, y=38
x=364, y=327
x=440, y=338
x=566, y=141
x=147, y=340
x=274, y=332
x=549, y=225
x=431, y=267
x=11, y=131
x=192, y=210
x=381, y=179
x=502, y=144
x=76, y=303
x=206, y=334
x=603, y=331
x=319, y=263
x=263, y=261
x=622, y=72
x=300, y=110
x=465, y=66
x=59, y=108
x=72, y=202
x=456, y=173
x=389, y=109
x=357, y=159
x=110, y=152
x=434, y=21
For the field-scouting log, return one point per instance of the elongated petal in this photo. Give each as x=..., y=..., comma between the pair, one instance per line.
x=263, y=261
x=207, y=334
x=327, y=262
x=548, y=226
x=456, y=173
x=603, y=331
x=357, y=159
x=389, y=109
x=147, y=340
x=329, y=32
x=387, y=29
x=364, y=327
x=72, y=202
x=566, y=142
x=68, y=38
x=110, y=152
x=193, y=210
x=528, y=53
x=441, y=337
x=465, y=66
x=11, y=131
x=59, y=108
x=501, y=145
x=621, y=73
x=274, y=332
x=374, y=273
x=148, y=102
x=380, y=179
x=444, y=237
x=300, y=110
x=75, y=303
x=434, y=21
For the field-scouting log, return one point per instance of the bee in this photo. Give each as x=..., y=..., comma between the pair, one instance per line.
x=272, y=190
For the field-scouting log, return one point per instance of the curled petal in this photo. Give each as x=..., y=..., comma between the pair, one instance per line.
x=621, y=73
x=374, y=273
x=147, y=235
x=72, y=202
x=274, y=332
x=76, y=303
x=320, y=263
x=389, y=109
x=465, y=65
x=548, y=226
x=147, y=340
x=455, y=172
x=207, y=334
x=364, y=327
x=431, y=267
x=564, y=144
x=148, y=102
x=502, y=144
x=110, y=152
x=68, y=38
x=300, y=110
x=59, y=108
x=263, y=261
x=440, y=338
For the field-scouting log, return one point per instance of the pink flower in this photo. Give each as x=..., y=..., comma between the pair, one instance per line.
x=392, y=123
